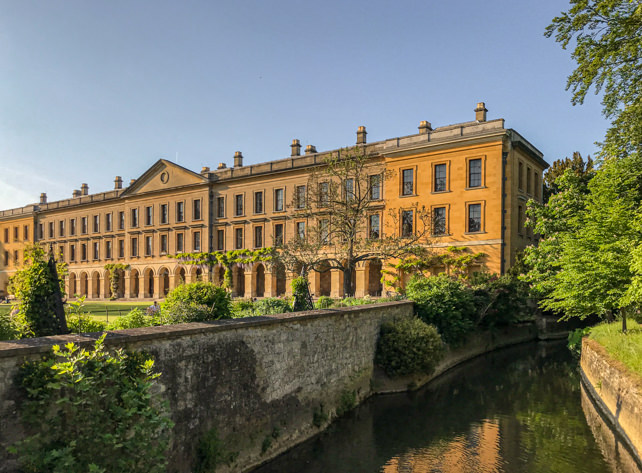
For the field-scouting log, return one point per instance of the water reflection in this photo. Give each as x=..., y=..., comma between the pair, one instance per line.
x=517, y=410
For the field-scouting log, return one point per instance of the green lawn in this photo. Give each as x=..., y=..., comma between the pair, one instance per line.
x=100, y=310
x=626, y=348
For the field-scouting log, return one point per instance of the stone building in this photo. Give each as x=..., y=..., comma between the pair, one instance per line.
x=475, y=177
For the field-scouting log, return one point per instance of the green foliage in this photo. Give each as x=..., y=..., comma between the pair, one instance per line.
x=79, y=320
x=347, y=402
x=211, y=452
x=575, y=339
x=408, y=346
x=135, y=318
x=196, y=302
x=446, y=303
x=8, y=330
x=114, y=270
x=301, y=294
x=624, y=347
x=319, y=416
x=608, y=51
x=39, y=293
x=91, y=410
x=500, y=300
x=323, y=302
x=583, y=170
x=272, y=305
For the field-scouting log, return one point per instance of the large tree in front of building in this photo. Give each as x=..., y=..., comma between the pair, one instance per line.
x=589, y=259
x=585, y=170
x=339, y=220
x=39, y=289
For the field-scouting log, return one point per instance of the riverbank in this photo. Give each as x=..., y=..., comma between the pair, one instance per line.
x=616, y=393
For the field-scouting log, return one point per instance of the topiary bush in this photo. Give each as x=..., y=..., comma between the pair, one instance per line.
x=91, y=411
x=446, y=303
x=301, y=295
x=408, y=346
x=200, y=301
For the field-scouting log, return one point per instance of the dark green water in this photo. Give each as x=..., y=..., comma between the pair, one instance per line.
x=515, y=410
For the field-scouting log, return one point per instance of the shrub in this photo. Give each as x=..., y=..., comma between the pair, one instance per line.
x=91, y=410
x=8, y=330
x=445, y=303
x=500, y=300
x=135, y=318
x=271, y=305
x=408, y=346
x=201, y=301
x=324, y=302
x=79, y=321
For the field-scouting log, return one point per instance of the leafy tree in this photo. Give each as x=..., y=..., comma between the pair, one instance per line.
x=607, y=35
x=583, y=169
x=340, y=196
x=39, y=291
x=197, y=302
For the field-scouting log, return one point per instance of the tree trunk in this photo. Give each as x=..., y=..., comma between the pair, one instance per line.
x=623, y=322
x=348, y=290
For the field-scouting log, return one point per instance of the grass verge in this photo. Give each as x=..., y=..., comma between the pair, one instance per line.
x=624, y=347
x=100, y=310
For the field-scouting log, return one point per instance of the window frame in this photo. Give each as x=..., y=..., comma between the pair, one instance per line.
x=370, y=227
x=239, y=210
x=402, y=183
x=261, y=210
x=239, y=238
x=280, y=208
x=433, y=224
x=446, y=178
x=197, y=209
x=469, y=180
x=402, y=231
x=469, y=206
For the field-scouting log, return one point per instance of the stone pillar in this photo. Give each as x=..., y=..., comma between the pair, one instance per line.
x=270, y=283
x=336, y=290
x=361, y=280
x=127, y=286
x=250, y=284
x=172, y=282
x=289, y=276
x=315, y=283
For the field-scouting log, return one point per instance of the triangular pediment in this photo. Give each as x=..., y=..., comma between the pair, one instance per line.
x=164, y=175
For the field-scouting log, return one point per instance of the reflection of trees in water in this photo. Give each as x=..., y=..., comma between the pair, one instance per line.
x=514, y=410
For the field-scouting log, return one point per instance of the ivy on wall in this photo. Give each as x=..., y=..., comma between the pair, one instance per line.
x=114, y=270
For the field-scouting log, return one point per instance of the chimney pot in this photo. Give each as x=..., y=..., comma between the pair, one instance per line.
x=131, y=182
x=361, y=135
x=76, y=193
x=480, y=112
x=296, y=147
x=424, y=127
x=84, y=189
x=118, y=182
x=310, y=149
x=221, y=166
x=43, y=198
x=205, y=169
x=238, y=159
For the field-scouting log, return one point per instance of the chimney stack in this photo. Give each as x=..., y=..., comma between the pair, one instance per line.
x=43, y=198
x=361, y=135
x=75, y=193
x=424, y=127
x=310, y=149
x=118, y=182
x=84, y=189
x=296, y=148
x=222, y=166
x=480, y=112
x=238, y=159
x=205, y=170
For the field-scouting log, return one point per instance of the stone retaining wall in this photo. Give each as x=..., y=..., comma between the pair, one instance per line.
x=617, y=395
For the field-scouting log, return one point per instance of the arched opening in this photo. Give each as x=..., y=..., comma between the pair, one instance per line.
x=238, y=281
x=374, y=278
x=121, y=283
x=219, y=276
x=260, y=281
x=84, y=284
x=73, y=289
x=95, y=285
x=164, y=282
x=280, y=279
x=179, y=277
x=134, y=283
x=199, y=274
x=325, y=280
x=107, y=285
x=149, y=283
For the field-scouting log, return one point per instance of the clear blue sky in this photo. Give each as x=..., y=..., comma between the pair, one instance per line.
x=94, y=89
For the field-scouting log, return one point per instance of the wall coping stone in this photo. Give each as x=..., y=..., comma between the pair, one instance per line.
x=33, y=346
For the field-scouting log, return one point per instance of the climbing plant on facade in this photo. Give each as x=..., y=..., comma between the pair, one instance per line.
x=114, y=270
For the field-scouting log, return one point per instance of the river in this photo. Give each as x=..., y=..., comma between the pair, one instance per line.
x=514, y=410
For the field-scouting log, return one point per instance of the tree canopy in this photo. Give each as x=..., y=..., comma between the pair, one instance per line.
x=607, y=35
